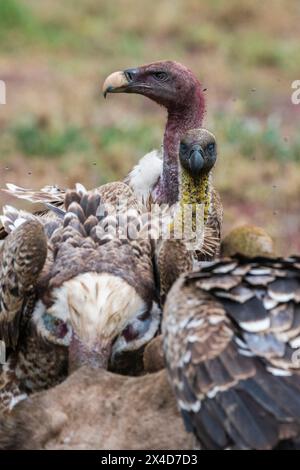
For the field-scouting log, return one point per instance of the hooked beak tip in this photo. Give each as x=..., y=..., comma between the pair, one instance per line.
x=105, y=92
x=115, y=83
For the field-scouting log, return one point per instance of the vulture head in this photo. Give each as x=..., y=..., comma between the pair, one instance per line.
x=168, y=83
x=198, y=152
x=176, y=88
x=103, y=309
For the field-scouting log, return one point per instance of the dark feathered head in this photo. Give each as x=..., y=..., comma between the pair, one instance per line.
x=198, y=151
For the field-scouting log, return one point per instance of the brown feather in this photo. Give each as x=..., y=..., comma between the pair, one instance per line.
x=235, y=374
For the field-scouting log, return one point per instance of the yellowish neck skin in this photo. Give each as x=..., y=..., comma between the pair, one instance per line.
x=195, y=191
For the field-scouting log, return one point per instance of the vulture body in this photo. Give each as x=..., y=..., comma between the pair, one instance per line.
x=198, y=214
x=231, y=340
x=93, y=296
x=197, y=157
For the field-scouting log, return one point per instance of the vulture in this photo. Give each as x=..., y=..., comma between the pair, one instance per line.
x=197, y=157
x=201, y=240
x=74, y=290
x=245, y=240
x=231, y=334
x=173, y=86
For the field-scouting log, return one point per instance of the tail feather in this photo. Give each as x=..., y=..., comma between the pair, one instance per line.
x=46, y=194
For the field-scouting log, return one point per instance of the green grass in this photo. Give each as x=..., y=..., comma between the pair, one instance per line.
x=17, y=24
x=34, y=140
x=15, y=15
x=204, y=38
x=21, y=29
x=251, y=138
x=142, y=137
x=91, y=27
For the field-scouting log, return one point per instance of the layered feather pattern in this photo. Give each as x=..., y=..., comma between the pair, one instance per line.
x=41, y=255
x=232, y=333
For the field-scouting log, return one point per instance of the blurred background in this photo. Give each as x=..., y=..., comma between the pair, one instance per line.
x=57, y=128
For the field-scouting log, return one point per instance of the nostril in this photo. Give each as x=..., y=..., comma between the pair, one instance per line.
x=129, y=74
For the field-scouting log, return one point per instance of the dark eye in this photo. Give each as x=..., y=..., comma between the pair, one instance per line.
x=211, y=148
x=183, y=148
x=161, y=76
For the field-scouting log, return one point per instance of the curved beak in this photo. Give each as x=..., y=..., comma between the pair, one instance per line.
x=116, y=82
x=196, y=161
x=96, y=355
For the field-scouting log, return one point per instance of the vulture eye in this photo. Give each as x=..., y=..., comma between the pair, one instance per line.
x=211, y=148
x=160, y=76
x=183, y=148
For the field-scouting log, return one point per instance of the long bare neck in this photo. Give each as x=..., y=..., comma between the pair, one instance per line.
x=180, y=120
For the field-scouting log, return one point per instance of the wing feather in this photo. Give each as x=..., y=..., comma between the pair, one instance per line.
x=242, y=380
x=22, y=259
